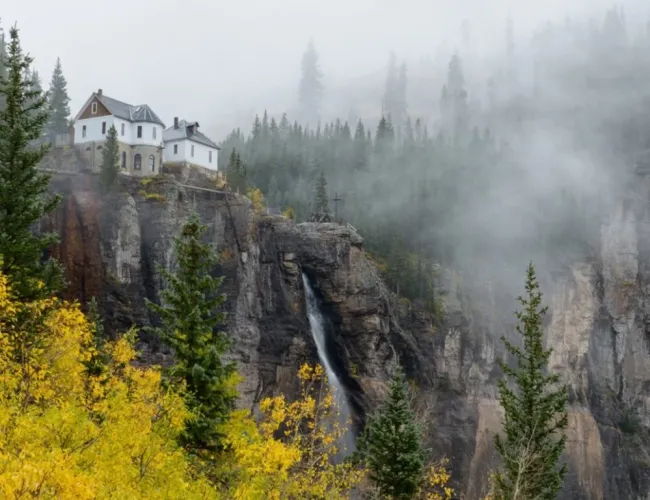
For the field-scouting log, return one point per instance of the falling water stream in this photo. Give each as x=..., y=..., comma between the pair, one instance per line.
x=318, y=332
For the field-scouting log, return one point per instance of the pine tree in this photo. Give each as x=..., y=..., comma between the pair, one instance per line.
x=58, y=103
x=311, y=86
x=535, y=413
x=390, y=444
x=110, y=168
x=321, y=203
x=190, y=319
x=23, y=189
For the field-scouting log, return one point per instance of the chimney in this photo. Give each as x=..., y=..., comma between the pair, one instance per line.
x=100, y=92
x=176, y=122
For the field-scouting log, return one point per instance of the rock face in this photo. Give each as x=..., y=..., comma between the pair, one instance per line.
x=598, y=320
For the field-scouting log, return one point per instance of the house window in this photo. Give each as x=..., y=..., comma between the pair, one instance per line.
x=103, y=128
x=175, y=149
x=123, y=157
x=139, y=131
x=122, y=131
x=137, y=162
x=83, y=131
x=192, y=150
x=210, y=156
x=93, y=108
x=154, y=132
x=152, y=162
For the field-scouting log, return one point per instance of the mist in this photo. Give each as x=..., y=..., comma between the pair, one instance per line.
x=521, y=160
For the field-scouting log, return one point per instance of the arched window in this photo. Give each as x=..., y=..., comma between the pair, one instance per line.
x=137, y=162
x=152, y=163
x=123, y=159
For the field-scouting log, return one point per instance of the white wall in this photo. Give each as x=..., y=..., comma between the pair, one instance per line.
x=168, y=152
x=94, y=131
x=201, y=153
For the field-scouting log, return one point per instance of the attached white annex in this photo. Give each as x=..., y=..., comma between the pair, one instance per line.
x=139, y=133
x=185, y=144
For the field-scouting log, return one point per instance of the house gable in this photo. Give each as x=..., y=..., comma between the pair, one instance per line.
x=87, y=110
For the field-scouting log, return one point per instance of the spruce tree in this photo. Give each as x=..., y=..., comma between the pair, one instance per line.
x=23, y=189
x=535, y=412
x=390, y=444
x=190, y=316
x=236, y=173
x=321, y=203
x=110, y=160
x=58, y=103
x=311, y=87
x=3, y=64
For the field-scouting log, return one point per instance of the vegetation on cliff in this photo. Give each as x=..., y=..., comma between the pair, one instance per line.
x=533, y=437
x=110, y=167
x=191, y=320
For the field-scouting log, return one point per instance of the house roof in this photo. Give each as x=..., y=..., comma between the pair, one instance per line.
x=183, y=132
x=129, y=112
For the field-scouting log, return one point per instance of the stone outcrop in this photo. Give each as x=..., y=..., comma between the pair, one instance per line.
x=597, y=322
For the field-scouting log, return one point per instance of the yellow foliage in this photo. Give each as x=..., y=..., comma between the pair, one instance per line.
x=289, y=213
x=257, y=197
x=436, y=482
x=67, y=434
x=152, y=196
x=288, y=454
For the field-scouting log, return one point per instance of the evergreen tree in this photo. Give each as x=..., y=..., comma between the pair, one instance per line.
x=110, y=168
x=389, y=104
x=390, y=444
x=3, y=64
x=535, y=413
x=190, y=318
x=236, y=173
x=58, y=103
x=311, y=86
x=23, y=189
x=321, y=203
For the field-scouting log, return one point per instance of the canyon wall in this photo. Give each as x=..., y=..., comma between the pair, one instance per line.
x=599, y=310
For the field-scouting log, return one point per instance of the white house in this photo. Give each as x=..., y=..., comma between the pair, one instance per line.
x=185, y=144
x=139, y=133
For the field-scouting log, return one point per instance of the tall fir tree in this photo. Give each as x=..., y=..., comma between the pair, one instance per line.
x=3, y=63
x=110, y=167
x=58, y=103
x=321, y=201
x=535, y=412
x=389, y=104
x=24, y=198
x=390, y=444
x=310, y=91
x=236, y=173
x=191, y=315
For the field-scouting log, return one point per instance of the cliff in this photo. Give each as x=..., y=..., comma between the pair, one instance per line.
x=597, y=321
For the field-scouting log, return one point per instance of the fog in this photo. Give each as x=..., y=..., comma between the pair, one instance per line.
x=220, y=62
x=521, y=160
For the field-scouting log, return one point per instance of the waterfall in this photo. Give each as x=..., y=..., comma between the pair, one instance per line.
x=318, y=333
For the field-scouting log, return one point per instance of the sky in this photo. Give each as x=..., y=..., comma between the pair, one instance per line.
x=215, y=62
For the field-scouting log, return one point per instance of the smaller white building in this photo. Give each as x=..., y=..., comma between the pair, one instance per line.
x=184, y=143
